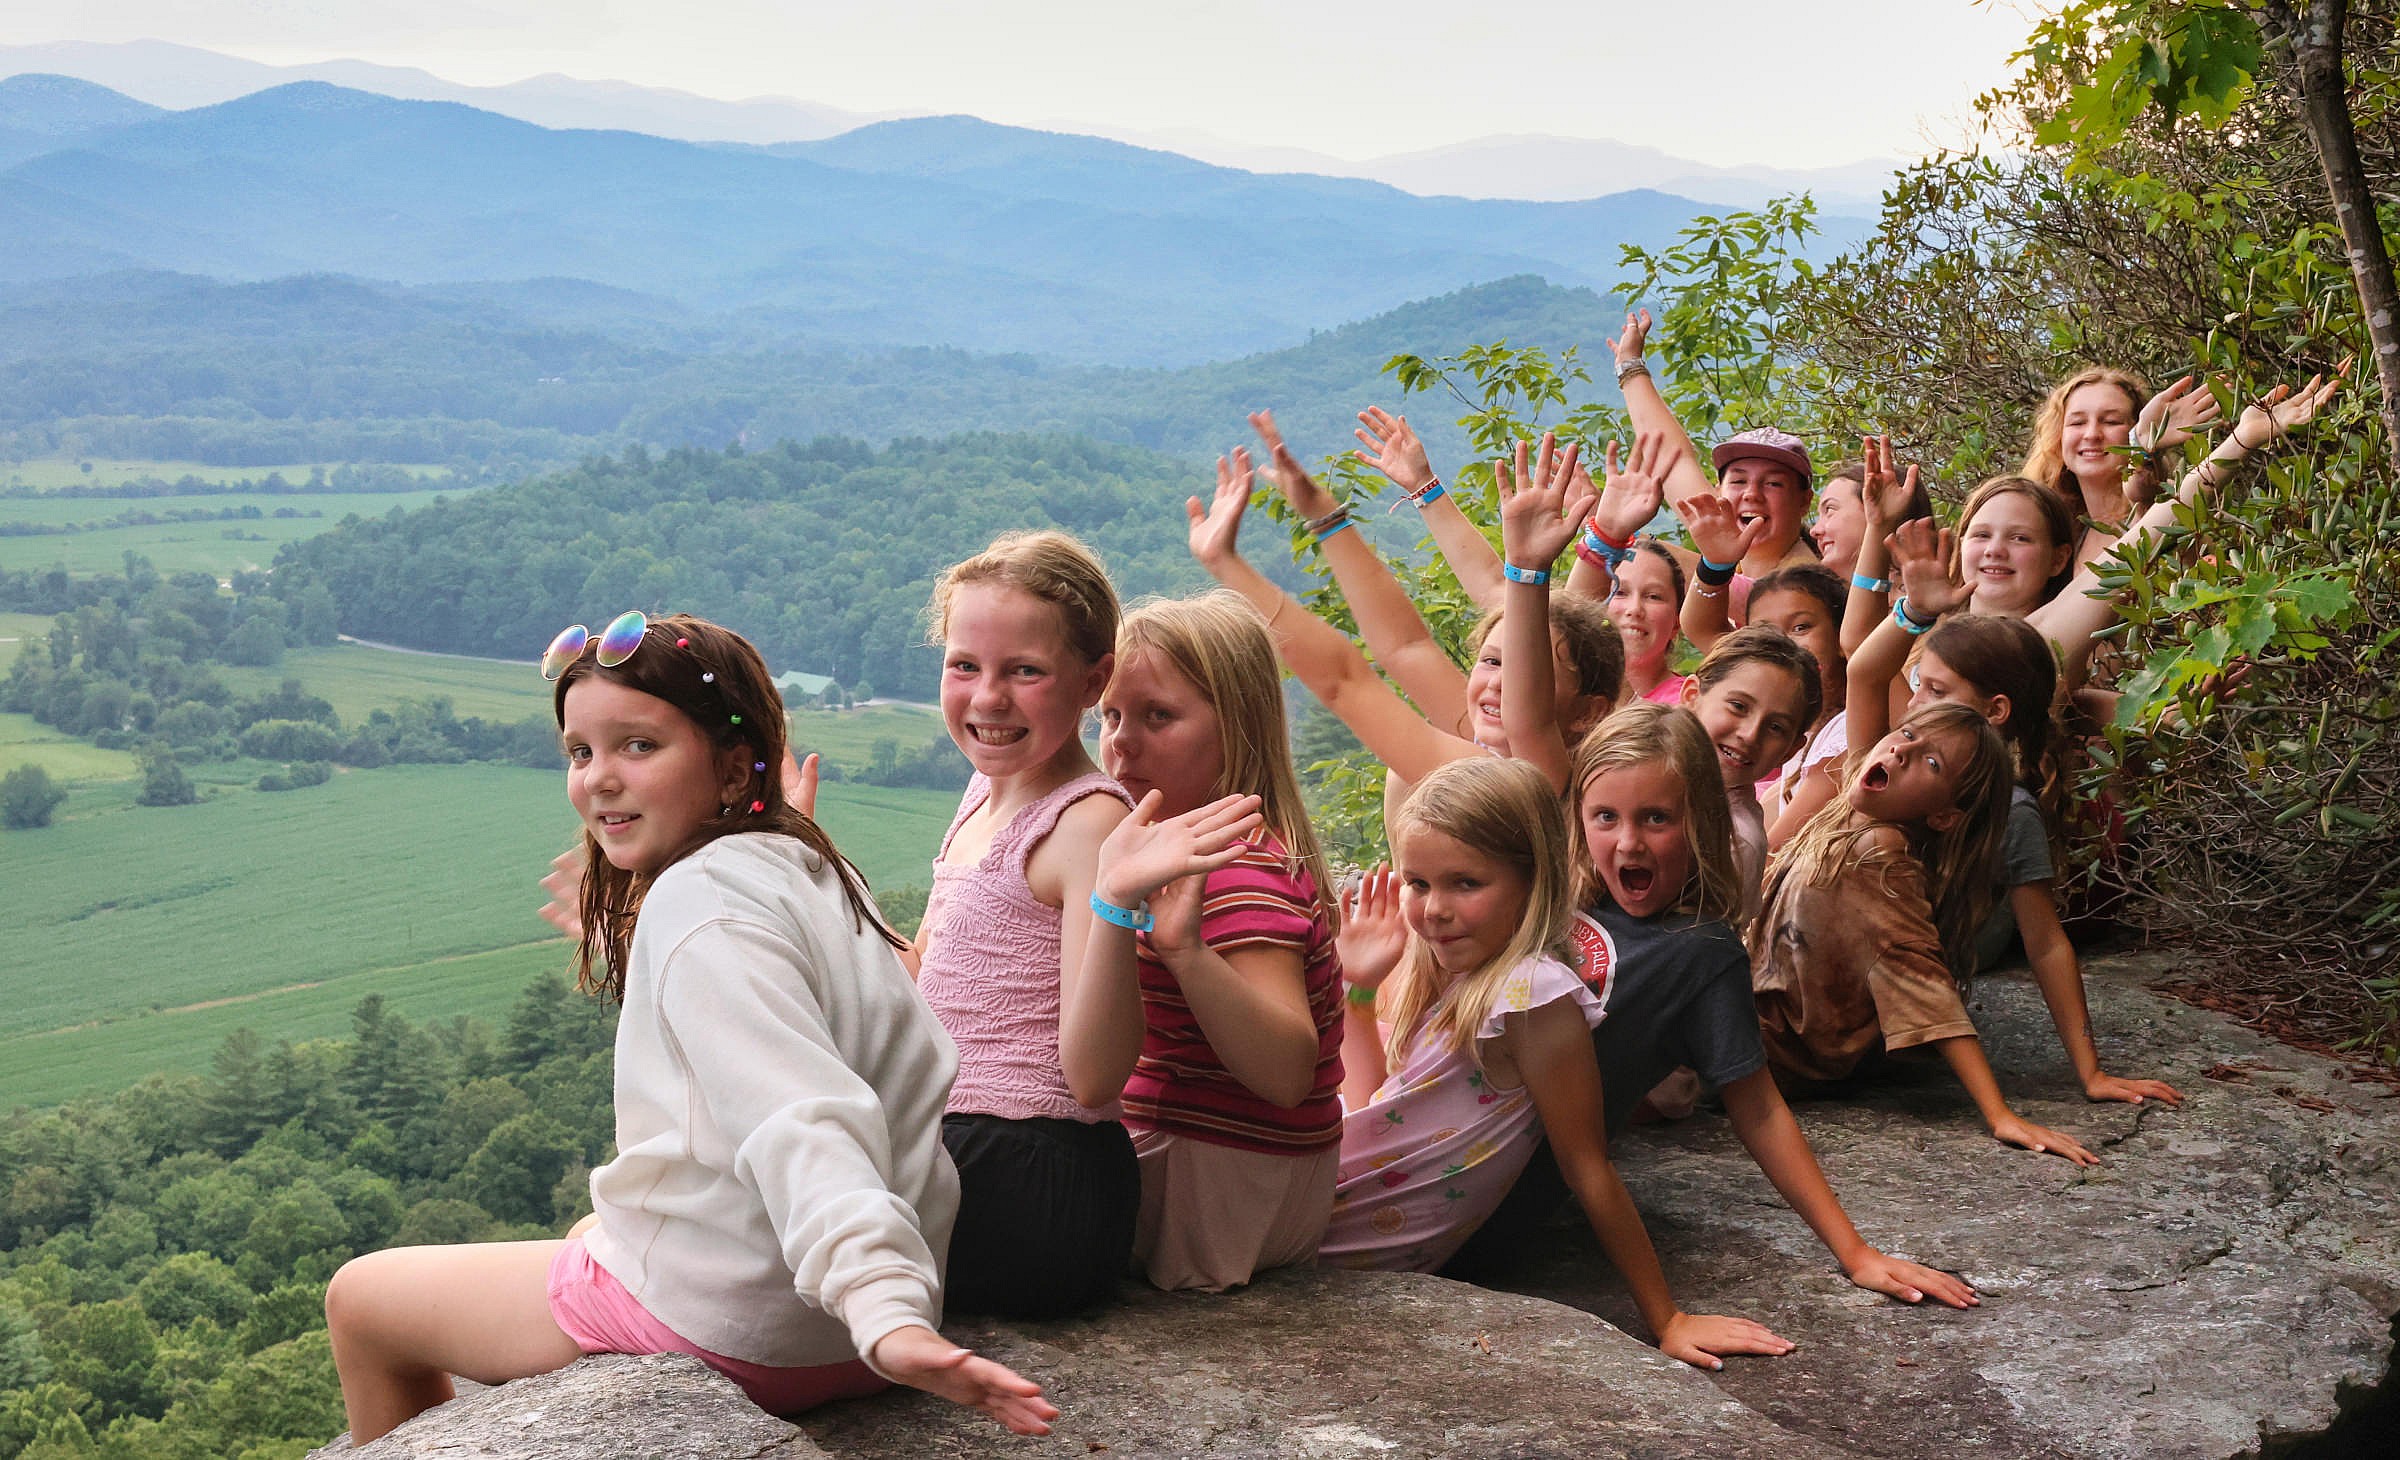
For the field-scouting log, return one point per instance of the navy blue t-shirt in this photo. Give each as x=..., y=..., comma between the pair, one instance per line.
x=1676, y=991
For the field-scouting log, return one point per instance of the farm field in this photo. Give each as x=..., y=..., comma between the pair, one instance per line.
x=16, y=628
x=299, y=903
x=26, y=741
x=213, y=546
x=49, y=473
x=356, y=679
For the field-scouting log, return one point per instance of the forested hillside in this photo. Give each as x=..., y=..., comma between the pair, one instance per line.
x=164, y=1251
x=498, y=377
x=822, y=553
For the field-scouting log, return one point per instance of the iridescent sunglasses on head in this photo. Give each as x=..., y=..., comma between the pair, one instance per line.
x=617, y=643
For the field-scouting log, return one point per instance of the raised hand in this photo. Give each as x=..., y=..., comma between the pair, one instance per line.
x=1144, y=854
x=1699, y=1338
x=1373, y=934
x=1911, y=1282
x=1716, y=529
x=1284, y=469
x=923, y=1359
x=1629, y=341
x=2173, y=415
x=2283, y=410
x=1921, y=566
x=1392, y=448
x=800, y=782
x=1883, y=495
x=1216, y=527
x=1538, y=517
x=564, y=910
x=2016, y=1130
x=1632, y=490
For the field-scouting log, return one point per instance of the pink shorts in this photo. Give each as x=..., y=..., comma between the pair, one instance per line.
x=593, y=1308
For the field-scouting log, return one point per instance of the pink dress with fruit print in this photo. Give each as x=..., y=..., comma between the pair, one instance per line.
x=1434, y=1152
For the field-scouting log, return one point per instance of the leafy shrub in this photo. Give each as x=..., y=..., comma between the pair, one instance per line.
x=28, y=797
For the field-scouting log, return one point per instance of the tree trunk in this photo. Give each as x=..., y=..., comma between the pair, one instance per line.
x=2325, y=110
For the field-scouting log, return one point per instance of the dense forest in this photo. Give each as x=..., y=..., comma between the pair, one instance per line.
x=823, y=554
x=164, y=1251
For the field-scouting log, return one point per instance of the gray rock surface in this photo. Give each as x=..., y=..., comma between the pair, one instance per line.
x=2218, y=1287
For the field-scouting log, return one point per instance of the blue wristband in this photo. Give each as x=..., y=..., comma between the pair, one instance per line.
x=1872, y=585
x=1433, y=490
x=1136, y=918
x=1338, y=526
x=1597, y=547
x=1726, y=568
x=1902, y=617
x=1535, y=576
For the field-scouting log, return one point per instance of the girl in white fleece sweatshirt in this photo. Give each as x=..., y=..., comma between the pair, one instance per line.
x=780, y=1204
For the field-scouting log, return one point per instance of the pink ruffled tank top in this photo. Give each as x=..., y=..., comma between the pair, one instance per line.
x=991, y=966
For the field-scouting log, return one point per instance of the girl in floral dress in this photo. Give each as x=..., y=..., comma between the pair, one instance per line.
x=1485, y=1045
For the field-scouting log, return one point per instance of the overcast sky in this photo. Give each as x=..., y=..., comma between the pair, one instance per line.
x=1791, y=83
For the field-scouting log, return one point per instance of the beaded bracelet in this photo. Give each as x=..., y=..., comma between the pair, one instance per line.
x=1136, y=918
x=1902, y=617
x=1872, y=585
x=1514, y=574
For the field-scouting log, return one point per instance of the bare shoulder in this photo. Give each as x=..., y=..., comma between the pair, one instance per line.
x=1065, y=861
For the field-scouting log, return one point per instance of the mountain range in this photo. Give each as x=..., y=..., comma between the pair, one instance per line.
x=1531, y=168
x=929, y=231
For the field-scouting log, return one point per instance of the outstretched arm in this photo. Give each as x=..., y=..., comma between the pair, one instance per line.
x=1395, y=634
x=2074, y=619
x=1537, y=521
x=1630, y=495
x=1650, y=413
x=1883, y=498
x=2060, y=975
x=1329, y=665
x=1773, y=1138
x=1392, y=448
x=1921, y=565
x=1965, y=1055
x=1553, y=1050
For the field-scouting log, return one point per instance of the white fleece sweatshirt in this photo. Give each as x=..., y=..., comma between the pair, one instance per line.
x=780, y=1192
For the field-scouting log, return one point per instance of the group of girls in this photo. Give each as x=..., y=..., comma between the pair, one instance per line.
x=1144, y=1029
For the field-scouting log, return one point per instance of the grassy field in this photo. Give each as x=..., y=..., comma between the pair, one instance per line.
x=145, y=934
x=16, y=628
x=50, y=473
x=355, y=679
x=848, y=736
x=218, y=547
x=23, y=741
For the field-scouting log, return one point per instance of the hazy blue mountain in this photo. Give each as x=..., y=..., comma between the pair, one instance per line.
x=41, y=113
x=951, y=232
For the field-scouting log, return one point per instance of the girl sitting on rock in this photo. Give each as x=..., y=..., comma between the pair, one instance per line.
x=780, y=1203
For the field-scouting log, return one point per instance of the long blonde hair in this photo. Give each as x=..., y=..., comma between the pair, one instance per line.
x=1051, y=566
x=1218, y=642
x=1960, y=865
x=2046, y=458
x=1649, y=734
x=1505, y=810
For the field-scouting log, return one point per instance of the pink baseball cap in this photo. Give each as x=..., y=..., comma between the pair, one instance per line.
x=1765, y=443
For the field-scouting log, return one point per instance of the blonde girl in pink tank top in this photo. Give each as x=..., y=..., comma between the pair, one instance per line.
x=1027, y=951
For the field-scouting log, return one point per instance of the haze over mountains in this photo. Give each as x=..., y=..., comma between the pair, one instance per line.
x=1532, y=168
